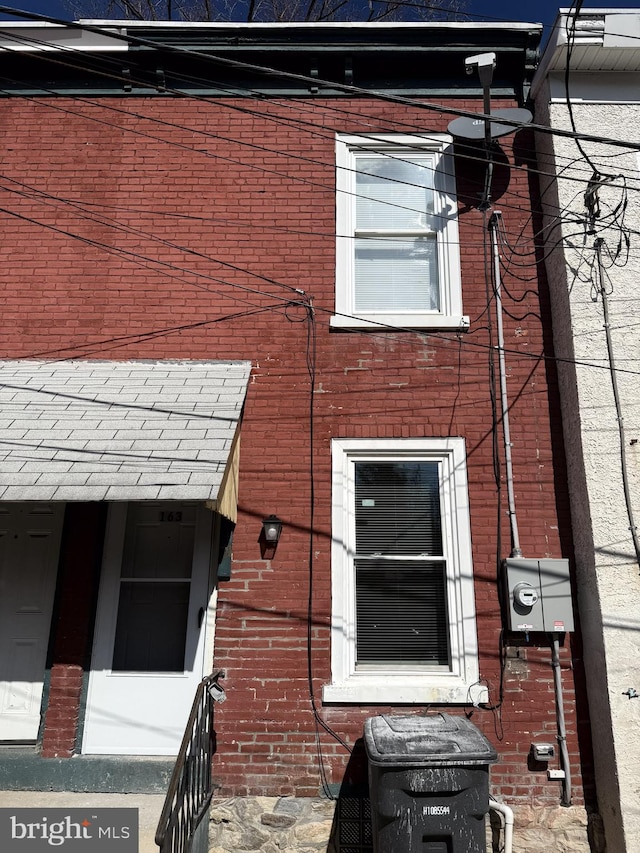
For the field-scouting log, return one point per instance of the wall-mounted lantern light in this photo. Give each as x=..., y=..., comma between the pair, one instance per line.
x=271, y=530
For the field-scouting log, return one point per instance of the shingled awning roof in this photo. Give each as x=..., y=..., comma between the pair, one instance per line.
x=118, y=431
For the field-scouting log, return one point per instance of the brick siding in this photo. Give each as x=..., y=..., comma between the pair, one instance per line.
x=210, y=176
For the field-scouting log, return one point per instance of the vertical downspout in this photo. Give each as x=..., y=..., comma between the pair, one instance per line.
x=506, y=431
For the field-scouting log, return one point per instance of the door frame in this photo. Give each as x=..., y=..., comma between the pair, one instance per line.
x=106, y=619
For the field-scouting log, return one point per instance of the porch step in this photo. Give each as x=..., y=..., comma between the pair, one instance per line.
x=149, y=807
x=24, y=769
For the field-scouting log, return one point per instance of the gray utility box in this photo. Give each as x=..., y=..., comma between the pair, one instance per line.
x=429, y=784
x=538, y=595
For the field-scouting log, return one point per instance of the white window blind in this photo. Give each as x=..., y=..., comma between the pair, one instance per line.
x=396, y=262
x=401, y=614
x=401, y=602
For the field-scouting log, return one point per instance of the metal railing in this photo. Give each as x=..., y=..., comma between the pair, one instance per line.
x=182, y=827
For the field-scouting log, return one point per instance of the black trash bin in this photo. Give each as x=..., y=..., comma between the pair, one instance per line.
x=429, y=784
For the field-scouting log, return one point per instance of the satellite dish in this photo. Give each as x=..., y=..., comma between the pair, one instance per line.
x=473, y=128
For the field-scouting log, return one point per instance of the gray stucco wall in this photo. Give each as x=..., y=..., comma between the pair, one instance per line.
x=607, y=569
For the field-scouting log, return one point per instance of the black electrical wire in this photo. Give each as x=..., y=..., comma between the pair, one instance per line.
x=239, y=162
x=262, y=114
x=313, y=81
x=280, y=301
x=311, y=362
x=46, y=198
x=164, y=122
x=283, y=302
x=313, y=126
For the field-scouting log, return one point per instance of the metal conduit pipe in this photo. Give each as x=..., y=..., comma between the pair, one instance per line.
x=507, y=816
x=506, y=431
x=562, y=729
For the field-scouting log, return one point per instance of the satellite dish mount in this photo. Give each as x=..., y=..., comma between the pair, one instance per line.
x=486, y=126
x=484, y=63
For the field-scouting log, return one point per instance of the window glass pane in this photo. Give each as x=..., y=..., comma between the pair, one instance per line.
x=396, y=275
x=394, y=194
x=397, y=508
x=401, y=613
x=151, y=627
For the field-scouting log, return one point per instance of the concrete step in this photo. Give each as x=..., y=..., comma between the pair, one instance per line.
x=149, y=807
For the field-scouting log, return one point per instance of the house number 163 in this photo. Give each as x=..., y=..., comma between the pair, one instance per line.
x=171, y=516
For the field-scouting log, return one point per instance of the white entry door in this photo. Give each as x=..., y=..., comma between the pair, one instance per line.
x=148, y=651
x=29, y=552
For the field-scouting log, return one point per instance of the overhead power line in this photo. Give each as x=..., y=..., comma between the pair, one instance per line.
x=407, y=101
x=267, y=116
x=301, y=302
x=270, y=71
x=55, y=105
x=312, y=126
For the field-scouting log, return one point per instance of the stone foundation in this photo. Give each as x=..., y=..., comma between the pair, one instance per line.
x=304, y=825
x=544, y=829
x=272, y=825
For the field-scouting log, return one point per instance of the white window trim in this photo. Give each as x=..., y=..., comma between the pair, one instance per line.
x=450, y=315
x=460, y=684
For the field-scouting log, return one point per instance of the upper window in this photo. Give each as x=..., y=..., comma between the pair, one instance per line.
x=403, y=614
x=398, y=258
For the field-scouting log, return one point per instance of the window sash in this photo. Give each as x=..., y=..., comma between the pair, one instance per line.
x=420, y=231
x=356, y=677
x=396, y=275
x=397, y=508
x=400, y=596
x=394, y=193
x=401, y=614
x=395, y=197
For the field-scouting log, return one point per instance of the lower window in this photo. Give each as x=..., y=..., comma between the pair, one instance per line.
x=403, y=614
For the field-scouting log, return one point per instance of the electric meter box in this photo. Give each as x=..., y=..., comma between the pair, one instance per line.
x=538, y=595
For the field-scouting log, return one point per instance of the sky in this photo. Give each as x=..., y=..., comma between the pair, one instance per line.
x=532, y=11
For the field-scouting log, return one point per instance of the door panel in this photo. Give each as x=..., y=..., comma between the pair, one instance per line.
x=152, y=627
x=149, y=639
x=29, y=553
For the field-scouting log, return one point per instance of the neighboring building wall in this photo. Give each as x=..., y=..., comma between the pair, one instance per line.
x=255, y=188
x=607, y=570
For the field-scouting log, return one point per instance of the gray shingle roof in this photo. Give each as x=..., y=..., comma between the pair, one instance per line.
x=113, y=430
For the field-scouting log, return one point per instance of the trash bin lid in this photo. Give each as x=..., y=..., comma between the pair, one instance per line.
x=434, y=740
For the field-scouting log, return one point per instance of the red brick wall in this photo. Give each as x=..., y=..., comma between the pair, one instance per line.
x=218, y=208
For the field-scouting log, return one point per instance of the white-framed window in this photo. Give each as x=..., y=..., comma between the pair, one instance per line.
x=403, y=623
x=397, y=245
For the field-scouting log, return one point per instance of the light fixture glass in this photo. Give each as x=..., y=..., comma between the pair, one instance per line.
x=271, y=528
